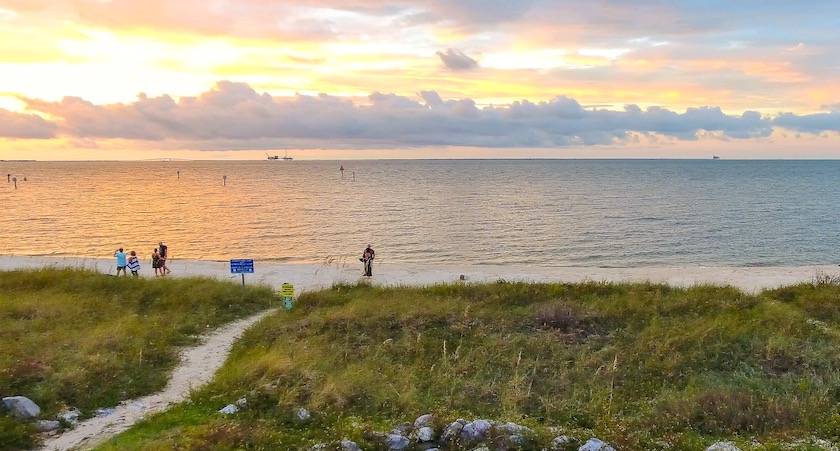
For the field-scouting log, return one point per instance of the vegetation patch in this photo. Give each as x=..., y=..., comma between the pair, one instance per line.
x=79, y=339
x=640, y=366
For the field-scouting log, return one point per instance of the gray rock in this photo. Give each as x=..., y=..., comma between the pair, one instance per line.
x=723, y=446
x=517, y=440
x=514, y=429
x=425, y=434
x=475, y=431
x=453, y=431
x=229, y=409
x=402, y=429
x=241, y=402
x=561, y=442
x=593, y=444
x=481, y=448
x=319, y=447
x=22, y=407
x=70, y=417
x=397, y=442
x=302, y=415
x=349, y=445
x=426, y=420
x=47, y=425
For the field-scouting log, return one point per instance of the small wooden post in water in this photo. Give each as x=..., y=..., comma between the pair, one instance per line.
x=224, y=180
x=14, y=179
x=179, y=174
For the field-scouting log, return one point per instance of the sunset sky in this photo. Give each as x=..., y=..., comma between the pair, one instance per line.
x=132, y=79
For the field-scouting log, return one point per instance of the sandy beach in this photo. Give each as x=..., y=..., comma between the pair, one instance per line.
x=309, y=276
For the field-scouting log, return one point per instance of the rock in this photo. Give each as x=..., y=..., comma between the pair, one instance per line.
x=47, y=425
x=241, y=402
x=349, y=445
x=453, y=431
x=425, y=434
x=70, y=417
x=481, y=448
x=723, y=446
x=517, y=441
x=561, y=442
x=104, y=411
x=397, y=442
x=593, y=444
x=426, y=420
x=229, y=409
x=22, y=407
x=475, y=431
x=319, y=447
x=302, y=415
x=402, y=429
x=514, y=429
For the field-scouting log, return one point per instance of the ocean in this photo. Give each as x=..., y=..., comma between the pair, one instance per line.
x=591, y=213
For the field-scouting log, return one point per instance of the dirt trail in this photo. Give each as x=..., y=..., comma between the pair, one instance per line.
x=196, y=368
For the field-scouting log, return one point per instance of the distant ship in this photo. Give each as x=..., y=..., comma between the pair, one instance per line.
x=277, y=157
x=715, y=157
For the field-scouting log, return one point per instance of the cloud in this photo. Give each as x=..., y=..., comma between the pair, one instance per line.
x=25, y=126
x=455, y=59
x=233, y=115
x=810, y=123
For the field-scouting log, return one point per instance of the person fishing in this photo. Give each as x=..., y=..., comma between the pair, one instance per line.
x=367, y=258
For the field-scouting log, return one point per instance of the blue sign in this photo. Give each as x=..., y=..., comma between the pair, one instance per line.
x=241, y=266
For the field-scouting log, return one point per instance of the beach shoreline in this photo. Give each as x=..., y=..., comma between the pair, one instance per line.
x=313, y=276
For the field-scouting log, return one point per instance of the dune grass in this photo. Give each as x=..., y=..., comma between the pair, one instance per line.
x=72, y=338
x=642, y=366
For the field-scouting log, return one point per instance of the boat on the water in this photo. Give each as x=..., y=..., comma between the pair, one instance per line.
x=715, y=157
x=277, y=157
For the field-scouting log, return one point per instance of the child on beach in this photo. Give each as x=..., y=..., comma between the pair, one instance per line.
x=134, y=264
x=120, y=256
x=156, y=262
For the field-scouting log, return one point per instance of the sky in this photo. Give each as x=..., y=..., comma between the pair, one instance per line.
x=138, y=79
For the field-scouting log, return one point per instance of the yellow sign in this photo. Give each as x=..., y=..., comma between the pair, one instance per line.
x=287, y=290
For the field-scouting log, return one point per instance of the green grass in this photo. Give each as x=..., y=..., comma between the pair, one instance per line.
x=639, y=365
x=86, y=340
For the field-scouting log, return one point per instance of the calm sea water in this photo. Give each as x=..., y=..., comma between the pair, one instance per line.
x=556, y=212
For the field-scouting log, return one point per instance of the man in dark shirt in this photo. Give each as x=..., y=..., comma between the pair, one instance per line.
x=367, y=258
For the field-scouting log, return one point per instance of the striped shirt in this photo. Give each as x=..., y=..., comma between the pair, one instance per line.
x=133, y=264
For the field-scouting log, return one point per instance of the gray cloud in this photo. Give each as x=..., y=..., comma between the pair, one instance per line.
x=455, y=59
x=810, y=123
x=28, y=126
x=233, y=115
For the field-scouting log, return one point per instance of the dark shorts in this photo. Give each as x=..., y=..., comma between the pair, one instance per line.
x=121, y=267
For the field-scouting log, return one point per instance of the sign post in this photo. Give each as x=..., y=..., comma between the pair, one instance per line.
x=242, y=266
x=287, y=291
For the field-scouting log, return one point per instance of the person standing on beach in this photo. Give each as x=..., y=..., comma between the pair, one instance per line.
x=367, y=258
x=164, y=254
x=120, y=256
x=134, y=264
x=156, y=262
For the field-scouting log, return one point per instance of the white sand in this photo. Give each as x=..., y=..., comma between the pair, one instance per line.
x=313, y=276
x=197, y=367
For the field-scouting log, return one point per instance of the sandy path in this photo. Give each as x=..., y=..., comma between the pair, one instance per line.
x=197, y=367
